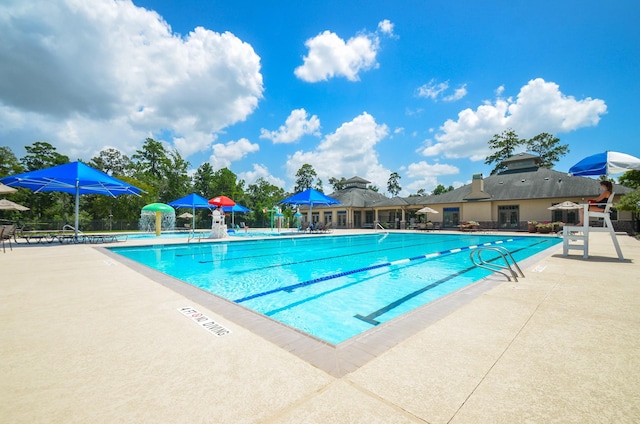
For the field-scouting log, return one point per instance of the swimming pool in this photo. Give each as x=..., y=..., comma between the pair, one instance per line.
x=332, y=287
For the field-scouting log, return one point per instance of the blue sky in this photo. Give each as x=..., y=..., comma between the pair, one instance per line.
x=351, y=87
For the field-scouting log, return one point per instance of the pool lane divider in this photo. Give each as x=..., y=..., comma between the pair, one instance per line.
x=371, y=317
x=372, y=267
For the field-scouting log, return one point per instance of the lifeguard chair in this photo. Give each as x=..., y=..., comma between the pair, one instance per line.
x=577, y=237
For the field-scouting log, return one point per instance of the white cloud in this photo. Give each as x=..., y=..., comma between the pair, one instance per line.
x=386, y=27
x=435, y=90
x=539, y=107
x=260, y=171
x=224, y=154
x=432, y=89
x=347, y=152
x=459, y=93
x=295, y=127
x=330, y=56
x=425, y=175
x=108, y=72
x=499, y=91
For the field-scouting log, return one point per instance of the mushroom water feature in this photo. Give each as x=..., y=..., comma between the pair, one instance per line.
x=160, y=210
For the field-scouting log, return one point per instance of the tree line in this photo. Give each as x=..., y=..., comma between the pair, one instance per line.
x=163, y=174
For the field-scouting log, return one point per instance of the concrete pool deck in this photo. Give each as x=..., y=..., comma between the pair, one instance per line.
x=85, y=338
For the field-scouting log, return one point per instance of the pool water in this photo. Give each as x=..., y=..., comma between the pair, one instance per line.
x=333, y=287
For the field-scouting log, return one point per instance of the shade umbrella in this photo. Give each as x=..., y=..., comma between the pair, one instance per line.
x=427, y=210
x=8, y=205
x=6, y=189
x=233, y=209
x=192, y=201
x=76, y=178
x=220, y=201
x=185, y=215
x=605, y=163
x=565, y=206
x=310, y=197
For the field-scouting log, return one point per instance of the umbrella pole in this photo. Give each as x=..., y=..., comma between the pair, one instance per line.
x=75, y=222
x=193, y=218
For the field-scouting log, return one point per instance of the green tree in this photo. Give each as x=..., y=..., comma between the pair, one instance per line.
x=42, y=155
x=319, y=186
x=304, y=178
x=226, y=183
x=440, y=189
x=53, y=205
x=204, y=181
x=504, y=146
x=112, y=161
x=9, y=163
x=262, y=195
x=149, y=161
x=374, y=188
x=548, y=148
x=630, y=179
x=175, y=181
x=337, y=184
x=393, y=184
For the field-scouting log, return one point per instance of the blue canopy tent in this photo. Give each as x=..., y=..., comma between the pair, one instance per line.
x=192, y=201
x=605, y=163
x=76, y=178
x=233, y=209
x=310, y=197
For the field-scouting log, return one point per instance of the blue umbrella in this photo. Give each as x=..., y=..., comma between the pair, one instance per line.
x=605, y=163
x=192, y=201
x=235, y=208
x=76, y=178
x=310, y=197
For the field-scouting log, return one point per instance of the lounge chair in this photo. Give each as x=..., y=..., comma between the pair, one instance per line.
x=8, y=232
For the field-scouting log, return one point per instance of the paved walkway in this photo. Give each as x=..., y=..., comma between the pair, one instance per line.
x=86, y=339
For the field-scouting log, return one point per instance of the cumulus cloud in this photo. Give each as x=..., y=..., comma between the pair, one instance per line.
x=295, y=127
x=435, y=90
x=425, y=175
x=348, y=151
x=260, y=171
x=224, y=154
x=108, y=72
x=330, y=56
x=386, y=27
x=539, y=107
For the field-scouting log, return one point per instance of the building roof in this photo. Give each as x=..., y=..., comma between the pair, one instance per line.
x=355, y=197
x=356, y=179
x=541, y=183
x=521, y=156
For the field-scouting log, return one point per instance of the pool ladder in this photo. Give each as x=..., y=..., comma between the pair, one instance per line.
x=505, y=255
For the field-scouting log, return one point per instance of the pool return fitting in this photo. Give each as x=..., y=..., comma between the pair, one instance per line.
x=476, y=257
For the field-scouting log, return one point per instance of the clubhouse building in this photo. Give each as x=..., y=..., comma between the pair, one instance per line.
x=504, y=201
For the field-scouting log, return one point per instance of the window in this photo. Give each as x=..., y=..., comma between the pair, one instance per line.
x=342, y=219
x=509, y=216
x=368, y=218
x=451, y=217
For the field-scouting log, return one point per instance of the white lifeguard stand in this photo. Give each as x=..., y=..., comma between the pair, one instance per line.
x=576, y=237
x=218, y=227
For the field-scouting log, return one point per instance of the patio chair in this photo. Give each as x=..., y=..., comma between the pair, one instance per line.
x=8, y=232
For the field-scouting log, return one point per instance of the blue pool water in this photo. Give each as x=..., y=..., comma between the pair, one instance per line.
x=332, y=287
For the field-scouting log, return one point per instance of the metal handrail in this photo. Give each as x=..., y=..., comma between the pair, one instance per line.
x=476, y=257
